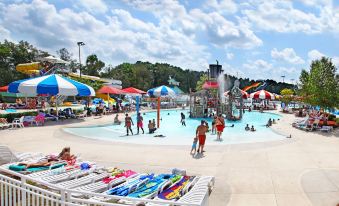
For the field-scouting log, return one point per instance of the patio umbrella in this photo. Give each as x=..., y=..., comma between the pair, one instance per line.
x=162, y=91
x=110, y=90
x=52, y=85
x=4, y=89
x=210, y=85
x=244, y=94
x=262, y=94
x=132, y=90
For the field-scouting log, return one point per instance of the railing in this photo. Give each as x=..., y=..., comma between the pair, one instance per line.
x=23, y=191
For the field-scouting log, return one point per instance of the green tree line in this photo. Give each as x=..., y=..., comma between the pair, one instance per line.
x=142, y=75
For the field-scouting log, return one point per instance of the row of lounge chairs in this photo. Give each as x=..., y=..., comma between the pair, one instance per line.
x=38, y=120
x=312, y=125
x=175, y=188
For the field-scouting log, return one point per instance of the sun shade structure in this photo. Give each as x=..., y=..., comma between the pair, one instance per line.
x=132, y=90
x=245, y=95
x=262, y=94
x=51, y=85
x=162, y=91
x=110, y=90
x=210, y=85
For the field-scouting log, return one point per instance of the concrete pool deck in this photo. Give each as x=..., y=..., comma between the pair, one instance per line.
x=303, y=170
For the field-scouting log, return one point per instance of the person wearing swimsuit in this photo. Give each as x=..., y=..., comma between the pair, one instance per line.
x=128, y=124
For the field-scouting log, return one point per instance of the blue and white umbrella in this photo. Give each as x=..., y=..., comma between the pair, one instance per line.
x=51, y=85
x=161, y=91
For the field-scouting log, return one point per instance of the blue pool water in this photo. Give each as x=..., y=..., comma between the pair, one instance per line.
x=176, y=134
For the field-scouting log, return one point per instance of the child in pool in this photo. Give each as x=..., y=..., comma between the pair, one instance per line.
x=194, y=146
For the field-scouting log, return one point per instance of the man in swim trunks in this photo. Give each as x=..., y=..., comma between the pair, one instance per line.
x=201, y=134
x=128, y=124
x=140, y=124
x=220, y=125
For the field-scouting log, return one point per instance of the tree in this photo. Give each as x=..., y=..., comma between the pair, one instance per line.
x=93, y=65
x=12, y=54
x=287, y=95
x=201, y=81
x=65, y=55
x=320, y=86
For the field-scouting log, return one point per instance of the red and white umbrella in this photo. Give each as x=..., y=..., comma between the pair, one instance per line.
x=262, y=94
x=244, y=94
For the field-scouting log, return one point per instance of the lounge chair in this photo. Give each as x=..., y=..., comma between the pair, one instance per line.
x=326, y=128
x=81, y=115
x=87, y=179
x=76, y=173
x=7, y=156
x=198, y=192
x=18, y=122
x=4, y=124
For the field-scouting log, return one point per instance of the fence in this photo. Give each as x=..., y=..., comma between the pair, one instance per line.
x=19, y=190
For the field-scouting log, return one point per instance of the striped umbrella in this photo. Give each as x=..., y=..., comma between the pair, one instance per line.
x=161, y=91
x=262, y=94
x=51, y=85
x=244, y=94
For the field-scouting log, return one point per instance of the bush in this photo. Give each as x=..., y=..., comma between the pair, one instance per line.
x=11, y=116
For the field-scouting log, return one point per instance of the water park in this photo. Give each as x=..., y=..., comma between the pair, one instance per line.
x=167, y=118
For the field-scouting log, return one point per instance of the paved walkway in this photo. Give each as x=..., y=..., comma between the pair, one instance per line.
x=303, y=170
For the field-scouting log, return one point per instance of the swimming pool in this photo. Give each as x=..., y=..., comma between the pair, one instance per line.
x=176, y=134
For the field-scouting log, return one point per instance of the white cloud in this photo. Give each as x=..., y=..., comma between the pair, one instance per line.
x=93, y=6
x=287, y=55
x=222, y=6
x=314, y=54
x=229, y=55
x=281, y=16
x=218, y=30
x=120, y=38
x=258, y=65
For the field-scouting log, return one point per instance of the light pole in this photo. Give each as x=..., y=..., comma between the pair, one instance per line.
x=80, y=43
x=283, y=77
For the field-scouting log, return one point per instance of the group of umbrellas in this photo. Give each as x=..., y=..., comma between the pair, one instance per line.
x=261, y=94
x=58, y=85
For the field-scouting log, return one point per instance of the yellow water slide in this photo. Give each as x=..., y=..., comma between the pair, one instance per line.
x=106, y=98
x=29, y=68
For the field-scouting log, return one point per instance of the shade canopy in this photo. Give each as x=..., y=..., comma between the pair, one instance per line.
x=210, y=85
x=51, y=85
x=245, y=95
x=262, y=94
x=4, y=89
x=162, y=91
x=110, y=90
x=132, y=90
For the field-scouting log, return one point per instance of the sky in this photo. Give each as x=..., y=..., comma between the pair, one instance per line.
x=256, y=39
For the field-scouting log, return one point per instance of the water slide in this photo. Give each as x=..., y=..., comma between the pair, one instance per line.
x=29, y=68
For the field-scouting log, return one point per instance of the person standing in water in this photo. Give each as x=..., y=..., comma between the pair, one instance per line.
x=201, y=134
x=128, y=124
x=140, y=123
x=220, y=125
x=183, y=117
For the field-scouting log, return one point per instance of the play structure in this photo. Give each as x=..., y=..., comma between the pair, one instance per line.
x=212, y=100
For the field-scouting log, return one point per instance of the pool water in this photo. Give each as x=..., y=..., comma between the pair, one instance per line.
x=176, y=134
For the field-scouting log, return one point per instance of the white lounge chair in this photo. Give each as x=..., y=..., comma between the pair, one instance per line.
x=76, y=173
x=81, y=115
x=198, y=192
x=7, y=156
x=87, y=179
x=18, y=122
x=326, y=128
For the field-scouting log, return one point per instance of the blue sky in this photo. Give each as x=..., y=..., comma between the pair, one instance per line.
x=257, y=39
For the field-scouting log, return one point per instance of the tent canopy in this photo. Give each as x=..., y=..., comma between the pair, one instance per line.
x=262, y=94
x=132, y=90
